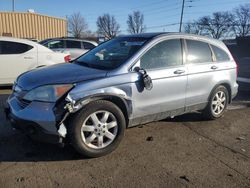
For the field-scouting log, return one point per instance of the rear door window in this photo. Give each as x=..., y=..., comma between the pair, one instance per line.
x=198, y=52
x=220, y=54
x=73, y=44
x=7, y=47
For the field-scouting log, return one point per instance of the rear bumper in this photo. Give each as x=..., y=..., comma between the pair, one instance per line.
x=36, y=120
x=234, y=91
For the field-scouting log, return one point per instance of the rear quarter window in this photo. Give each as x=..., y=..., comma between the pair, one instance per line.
x=220, y=54
x=88, y=46
x=7, y=47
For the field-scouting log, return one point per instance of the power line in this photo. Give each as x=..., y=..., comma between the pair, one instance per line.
x=176, y=5
x=229, y=25
x=146, y=13
x=132, y=8
x=220, y=3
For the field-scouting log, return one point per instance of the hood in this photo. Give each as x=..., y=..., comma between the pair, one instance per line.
x=67, y=73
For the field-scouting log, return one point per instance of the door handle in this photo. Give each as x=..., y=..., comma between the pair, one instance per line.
x=28, y=57
x=179, y=72
x=214, y=67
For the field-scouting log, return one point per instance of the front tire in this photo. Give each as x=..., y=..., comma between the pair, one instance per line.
x=97, y=129
x=217, y=103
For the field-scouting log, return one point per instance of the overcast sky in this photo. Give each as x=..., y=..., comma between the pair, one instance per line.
x=157, y=13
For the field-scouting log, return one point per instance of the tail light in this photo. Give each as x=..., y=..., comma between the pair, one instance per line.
x=237, y=68
x=67, y=58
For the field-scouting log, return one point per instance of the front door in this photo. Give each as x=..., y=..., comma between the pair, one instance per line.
x=164, y=64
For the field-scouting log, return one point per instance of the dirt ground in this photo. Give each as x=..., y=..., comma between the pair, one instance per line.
x=182, y=152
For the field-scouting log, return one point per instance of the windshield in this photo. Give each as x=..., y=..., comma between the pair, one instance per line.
x=113, y=53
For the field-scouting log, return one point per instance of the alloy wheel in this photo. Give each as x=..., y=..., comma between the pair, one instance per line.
x=99, y=129
x=219, y=102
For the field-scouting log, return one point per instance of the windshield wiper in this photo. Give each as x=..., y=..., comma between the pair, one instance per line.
x=83, y=63
x=90, y=65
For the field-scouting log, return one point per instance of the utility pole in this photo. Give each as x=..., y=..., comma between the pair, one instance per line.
x=13, y=5
x=182, y=10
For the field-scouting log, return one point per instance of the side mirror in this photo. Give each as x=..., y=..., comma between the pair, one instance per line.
x=147, y=81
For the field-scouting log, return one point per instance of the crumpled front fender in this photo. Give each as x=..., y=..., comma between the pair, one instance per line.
x=78, y=98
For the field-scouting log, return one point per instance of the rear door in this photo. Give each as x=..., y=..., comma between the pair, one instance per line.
x=164, y=64
x=201, y=73
x=74, y=48
x=15, y=58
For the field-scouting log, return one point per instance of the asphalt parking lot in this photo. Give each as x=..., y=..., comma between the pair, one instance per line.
x=182, y=152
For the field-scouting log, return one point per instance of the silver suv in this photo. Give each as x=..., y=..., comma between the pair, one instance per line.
x=127, y=81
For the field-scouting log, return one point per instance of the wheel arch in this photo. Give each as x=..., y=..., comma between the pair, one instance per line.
x=124, y=104
x=227, y=86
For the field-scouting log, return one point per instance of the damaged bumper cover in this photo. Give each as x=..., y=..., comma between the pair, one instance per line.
x=37, y=119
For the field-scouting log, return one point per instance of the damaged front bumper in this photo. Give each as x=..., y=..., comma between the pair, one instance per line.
x=37, y=119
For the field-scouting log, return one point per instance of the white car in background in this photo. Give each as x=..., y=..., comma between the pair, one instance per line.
x=76, y=47
x=20, y=55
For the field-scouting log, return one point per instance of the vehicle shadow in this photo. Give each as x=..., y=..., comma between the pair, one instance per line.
x=16, y=147
x=19, y=148
x=243, y=96
x=189, y=117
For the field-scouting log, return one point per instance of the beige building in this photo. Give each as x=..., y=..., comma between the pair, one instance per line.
x=31, y=25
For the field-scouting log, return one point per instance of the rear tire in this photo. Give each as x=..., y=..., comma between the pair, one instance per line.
x=217, y=103
x=97, y=129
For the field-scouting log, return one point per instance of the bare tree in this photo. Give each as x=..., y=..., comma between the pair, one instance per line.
x=136, y=23
x=77, y=25
x=193, y=28
x=107, y=26
x=218, y=25
x=241, y=24
x=88, y=33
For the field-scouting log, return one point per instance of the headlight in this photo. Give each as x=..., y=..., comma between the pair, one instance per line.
x=48, y=93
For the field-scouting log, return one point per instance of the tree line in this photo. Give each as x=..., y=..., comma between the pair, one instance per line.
x=223, y=24
x=219, y=25
x=107, y=26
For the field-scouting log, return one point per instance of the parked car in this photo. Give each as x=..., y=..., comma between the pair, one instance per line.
x=20, y=55
x=244, y=73
x=76, y=47
x=127, y=81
